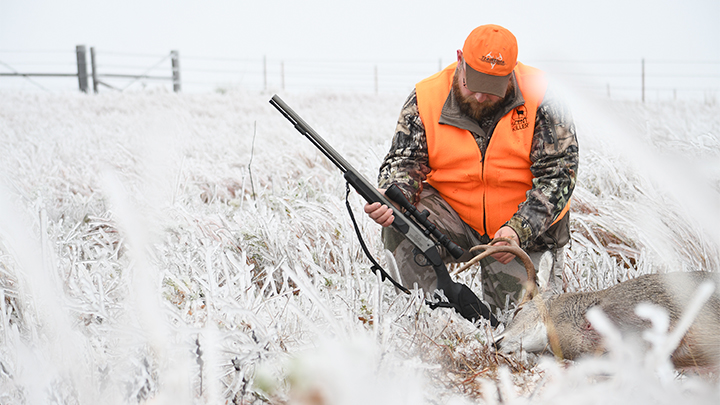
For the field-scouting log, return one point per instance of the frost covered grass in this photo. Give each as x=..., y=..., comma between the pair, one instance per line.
x=193, y=249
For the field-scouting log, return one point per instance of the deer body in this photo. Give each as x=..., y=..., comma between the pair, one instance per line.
x=558, y=322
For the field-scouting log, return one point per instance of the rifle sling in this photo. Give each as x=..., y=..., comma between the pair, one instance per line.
x=375, y=266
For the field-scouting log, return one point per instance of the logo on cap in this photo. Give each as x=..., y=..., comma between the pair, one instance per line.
x=493, y=60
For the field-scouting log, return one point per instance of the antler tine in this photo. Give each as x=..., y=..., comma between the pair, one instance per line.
x=472, y=261
x=488, y=250
x=513, y=248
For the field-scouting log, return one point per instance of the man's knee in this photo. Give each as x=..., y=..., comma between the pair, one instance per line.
x=391, y=238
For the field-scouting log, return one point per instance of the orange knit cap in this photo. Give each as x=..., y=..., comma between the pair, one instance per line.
x=490, y=54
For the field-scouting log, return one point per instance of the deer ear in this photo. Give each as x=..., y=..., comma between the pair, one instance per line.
x=544, y=272
x=531, y=290
x=547, y=289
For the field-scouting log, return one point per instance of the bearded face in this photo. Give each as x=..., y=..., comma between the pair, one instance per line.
x=470, y=106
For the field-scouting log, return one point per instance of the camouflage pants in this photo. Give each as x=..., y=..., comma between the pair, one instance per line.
x=502, y=283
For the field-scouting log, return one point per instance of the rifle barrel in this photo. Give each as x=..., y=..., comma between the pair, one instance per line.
x=310, y=133
x=369, y=192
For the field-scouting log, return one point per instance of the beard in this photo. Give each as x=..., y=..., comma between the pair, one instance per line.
x=474, y=109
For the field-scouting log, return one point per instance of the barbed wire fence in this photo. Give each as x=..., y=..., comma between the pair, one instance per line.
x=52, y=70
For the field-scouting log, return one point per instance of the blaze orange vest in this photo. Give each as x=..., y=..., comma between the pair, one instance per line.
x=484, y=192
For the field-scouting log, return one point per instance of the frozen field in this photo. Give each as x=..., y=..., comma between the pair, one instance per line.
x=195, y=249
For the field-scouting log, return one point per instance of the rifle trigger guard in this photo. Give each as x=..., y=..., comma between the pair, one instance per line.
x=420, y=259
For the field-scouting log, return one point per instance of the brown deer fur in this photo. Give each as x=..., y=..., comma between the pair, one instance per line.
x=557, y=322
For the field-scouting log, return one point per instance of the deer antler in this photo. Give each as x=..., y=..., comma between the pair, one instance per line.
x=491, y=248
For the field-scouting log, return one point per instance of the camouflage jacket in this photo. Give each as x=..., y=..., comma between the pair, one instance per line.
x=554, y=157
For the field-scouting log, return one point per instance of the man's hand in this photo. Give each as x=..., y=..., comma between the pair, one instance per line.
x=382, y=214
x=505, y=232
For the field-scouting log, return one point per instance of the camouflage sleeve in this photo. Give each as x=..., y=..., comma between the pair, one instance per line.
x=554, y=157
x=406, y=164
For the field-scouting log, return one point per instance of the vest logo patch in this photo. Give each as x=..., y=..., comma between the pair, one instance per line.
x=519, y=119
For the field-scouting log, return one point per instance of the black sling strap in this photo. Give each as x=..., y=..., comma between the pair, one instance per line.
x=375, y=266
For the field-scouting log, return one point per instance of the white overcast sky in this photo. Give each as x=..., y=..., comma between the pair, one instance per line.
x=665, y=33
x=570, y=29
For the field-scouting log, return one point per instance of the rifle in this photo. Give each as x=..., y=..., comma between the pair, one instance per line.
x=413, y=224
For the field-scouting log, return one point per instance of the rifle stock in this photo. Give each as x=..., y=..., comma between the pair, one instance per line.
x=459, y=296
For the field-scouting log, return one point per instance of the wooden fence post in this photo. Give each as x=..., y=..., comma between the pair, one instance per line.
x=376, y=80
x=82, y=68
x=175, y=56
x=643, y=80
x=265, y=73
x=93, y=66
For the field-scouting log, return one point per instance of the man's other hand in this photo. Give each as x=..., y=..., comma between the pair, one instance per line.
x=509, y=233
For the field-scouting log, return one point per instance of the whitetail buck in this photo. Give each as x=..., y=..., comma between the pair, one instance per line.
x=547, y=320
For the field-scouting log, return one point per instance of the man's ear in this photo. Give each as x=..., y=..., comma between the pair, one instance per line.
x=459, y=55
